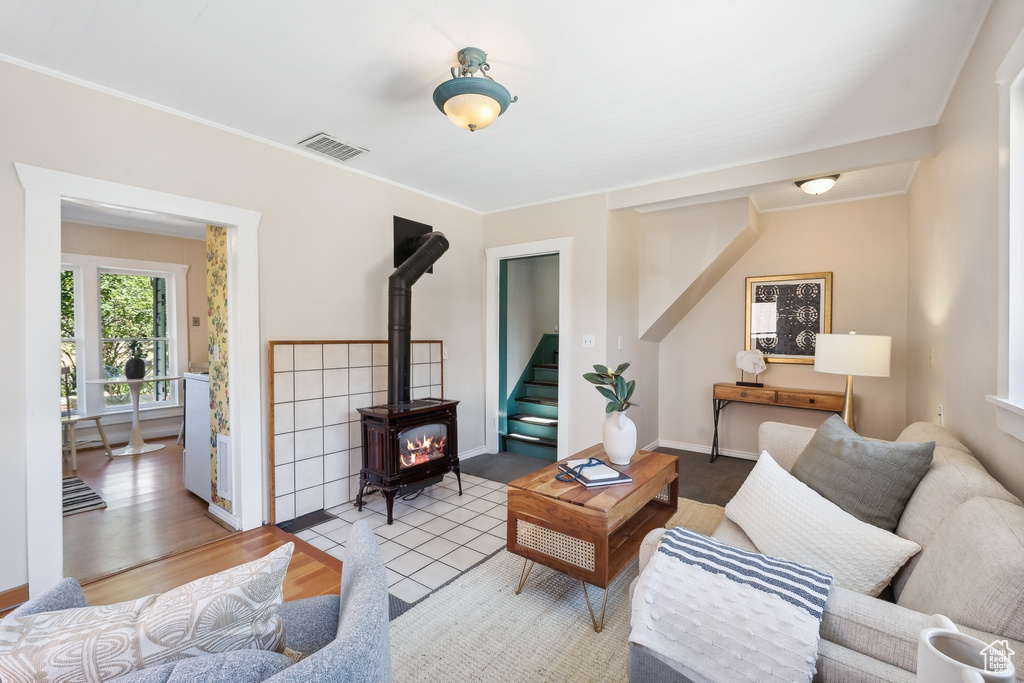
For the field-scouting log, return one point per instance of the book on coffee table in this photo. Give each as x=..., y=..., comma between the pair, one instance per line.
x=596, y=475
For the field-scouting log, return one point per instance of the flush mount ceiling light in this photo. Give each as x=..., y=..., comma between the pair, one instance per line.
x=818, y=185
x=469, y=102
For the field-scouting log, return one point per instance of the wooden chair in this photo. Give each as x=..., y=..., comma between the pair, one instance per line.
x=70, y=421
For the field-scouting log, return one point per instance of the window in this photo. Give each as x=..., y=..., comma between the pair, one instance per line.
x=1010, y=400
x=133, y=324
x=115, y=309
x=68, y=341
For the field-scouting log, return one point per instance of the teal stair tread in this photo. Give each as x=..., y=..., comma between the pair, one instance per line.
x=541, y=382
x=538, y=400
x=521, y=417
x=534, y=440
x=547, y=366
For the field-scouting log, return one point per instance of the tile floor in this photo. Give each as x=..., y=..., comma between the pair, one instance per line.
x=434, y=537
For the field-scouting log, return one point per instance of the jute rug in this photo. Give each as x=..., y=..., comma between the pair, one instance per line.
x=78, y=497
x=477, y=629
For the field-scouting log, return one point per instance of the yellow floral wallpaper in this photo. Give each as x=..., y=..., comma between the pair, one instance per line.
x=217, y=303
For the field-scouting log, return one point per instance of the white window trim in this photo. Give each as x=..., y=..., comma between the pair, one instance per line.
x=87, y=326
x=1009, y=402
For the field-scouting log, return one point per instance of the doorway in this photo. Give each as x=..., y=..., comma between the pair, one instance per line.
x=528, y=356
x=561, y=248
x=44, y=191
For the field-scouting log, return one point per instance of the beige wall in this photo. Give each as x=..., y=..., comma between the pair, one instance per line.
x=325, y=241
x=954, y=261
x=624, y=303
x=864, y=245
x=128, y=244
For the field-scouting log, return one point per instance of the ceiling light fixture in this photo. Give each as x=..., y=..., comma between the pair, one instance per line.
x=818, y=185
x=472, y=103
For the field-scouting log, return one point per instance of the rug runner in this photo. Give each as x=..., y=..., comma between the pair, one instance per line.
x=78, y=497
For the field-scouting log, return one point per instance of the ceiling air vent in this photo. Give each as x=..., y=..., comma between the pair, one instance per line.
x=325, y=144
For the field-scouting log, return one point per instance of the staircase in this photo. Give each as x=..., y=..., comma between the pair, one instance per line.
x=532, y=423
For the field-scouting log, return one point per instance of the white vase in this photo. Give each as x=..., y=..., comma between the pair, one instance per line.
x=944, y=655
x=619, y=438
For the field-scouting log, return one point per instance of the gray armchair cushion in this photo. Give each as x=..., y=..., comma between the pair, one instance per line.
x=361, y=649
x=65, y=594
x=872, y=480
x=243, y=666
x=312, y=623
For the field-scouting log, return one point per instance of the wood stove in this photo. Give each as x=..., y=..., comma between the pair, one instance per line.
x=406, y=443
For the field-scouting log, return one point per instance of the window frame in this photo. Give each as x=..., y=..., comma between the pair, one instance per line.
x=88, y=327
x=1009, y=402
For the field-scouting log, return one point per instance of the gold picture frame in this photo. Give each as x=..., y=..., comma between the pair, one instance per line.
x=784, y=312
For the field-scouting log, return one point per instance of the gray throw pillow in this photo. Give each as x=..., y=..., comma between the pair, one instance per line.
x=872, y=480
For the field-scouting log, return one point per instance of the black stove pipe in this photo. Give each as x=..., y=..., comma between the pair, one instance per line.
x=428, y=249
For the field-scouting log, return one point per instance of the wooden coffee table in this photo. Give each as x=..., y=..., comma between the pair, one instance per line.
x=590, y=534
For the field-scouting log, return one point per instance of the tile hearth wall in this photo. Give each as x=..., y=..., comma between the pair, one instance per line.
x=317, y=389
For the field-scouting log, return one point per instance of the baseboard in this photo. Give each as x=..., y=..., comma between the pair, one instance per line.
x=223, y=516
x=696, y=448
x=473, y=453
x=13, y=597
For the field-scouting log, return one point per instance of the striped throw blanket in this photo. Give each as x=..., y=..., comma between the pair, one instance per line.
x=717, y=613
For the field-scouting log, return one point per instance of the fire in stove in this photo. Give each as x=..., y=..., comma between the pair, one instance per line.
x=425, y=444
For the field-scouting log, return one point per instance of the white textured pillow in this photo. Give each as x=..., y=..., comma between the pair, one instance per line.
x=786, y=518
x=236, y=609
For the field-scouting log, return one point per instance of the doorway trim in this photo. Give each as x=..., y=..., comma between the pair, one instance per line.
x=44, y=189
x=562, y=246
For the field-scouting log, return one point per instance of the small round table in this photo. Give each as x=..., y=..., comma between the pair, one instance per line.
x=136, y=446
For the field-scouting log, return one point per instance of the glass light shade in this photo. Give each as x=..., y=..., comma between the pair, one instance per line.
x=852, y=354
x=818, y=185
x=472, y=103
x=472, y=111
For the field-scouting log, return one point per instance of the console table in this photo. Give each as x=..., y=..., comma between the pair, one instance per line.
x=725, y=393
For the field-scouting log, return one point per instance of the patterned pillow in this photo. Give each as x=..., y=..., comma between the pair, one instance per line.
x=233, y=610
x=872, y=480
x=784, y=518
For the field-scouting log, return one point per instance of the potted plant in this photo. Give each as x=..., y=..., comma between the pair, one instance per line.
x=135, y=367
x=618, y=432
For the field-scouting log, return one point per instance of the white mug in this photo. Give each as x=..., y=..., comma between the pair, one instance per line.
x=944, y=655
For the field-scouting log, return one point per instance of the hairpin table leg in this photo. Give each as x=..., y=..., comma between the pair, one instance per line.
x=598, y=625
x=524, y=575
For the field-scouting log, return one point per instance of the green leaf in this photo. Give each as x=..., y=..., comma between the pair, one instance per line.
x=602, y=369
x=613, y=407
x=620, y=388
x=607, y=393
x=594, y=378
x=630, y=386
x=622, y=368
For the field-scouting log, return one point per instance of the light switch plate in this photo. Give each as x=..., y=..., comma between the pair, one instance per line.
x=589, y=342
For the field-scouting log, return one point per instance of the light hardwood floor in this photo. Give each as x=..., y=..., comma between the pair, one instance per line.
x=311, y=572
x=149, y=514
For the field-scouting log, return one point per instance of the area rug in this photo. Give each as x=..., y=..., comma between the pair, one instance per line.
x=80, y=498
x=477, y=628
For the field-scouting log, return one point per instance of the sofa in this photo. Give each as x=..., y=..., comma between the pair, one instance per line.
x=970, y=568
x=341, y=637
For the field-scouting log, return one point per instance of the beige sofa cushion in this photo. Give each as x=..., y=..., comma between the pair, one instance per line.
x=953, y=478
x=973, y=569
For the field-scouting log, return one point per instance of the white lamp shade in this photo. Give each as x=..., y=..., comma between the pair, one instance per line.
x=472, y=111
x=852, y=354
x=818, y=185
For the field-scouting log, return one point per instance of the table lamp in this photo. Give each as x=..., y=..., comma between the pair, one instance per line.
x=852, y=354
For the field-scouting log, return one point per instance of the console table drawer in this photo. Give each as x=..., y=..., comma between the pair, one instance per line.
x=749, y=394
x=823, y=401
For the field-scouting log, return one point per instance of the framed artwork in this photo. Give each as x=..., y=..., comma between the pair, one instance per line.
x=784, y=312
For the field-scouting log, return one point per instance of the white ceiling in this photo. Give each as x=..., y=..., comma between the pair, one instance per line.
x=612, y=94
